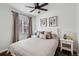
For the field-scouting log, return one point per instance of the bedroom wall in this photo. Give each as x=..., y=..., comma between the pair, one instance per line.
x=33, y=24
x=66, y=18
x=77, y=24
x=5, y=26
x=65, y=13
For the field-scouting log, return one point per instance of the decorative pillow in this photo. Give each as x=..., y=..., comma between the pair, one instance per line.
x=42, y=36
x=48, y=35
x=42, y=32
x=54, y=36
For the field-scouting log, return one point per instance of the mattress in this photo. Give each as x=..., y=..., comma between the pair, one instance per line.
x=34, y=47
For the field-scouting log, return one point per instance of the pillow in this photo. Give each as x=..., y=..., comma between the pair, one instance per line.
x=54, y=36
x=42, y=36
x=42, y=32
x=48, y=35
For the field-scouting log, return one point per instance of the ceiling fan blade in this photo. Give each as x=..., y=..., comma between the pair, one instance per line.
x=43, y=9
x=30, y=6
x=32, y=10
x=35, y=4
x=43, y=4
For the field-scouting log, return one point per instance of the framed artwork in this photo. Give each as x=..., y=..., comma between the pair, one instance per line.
x=53, y=21
x=43, y=22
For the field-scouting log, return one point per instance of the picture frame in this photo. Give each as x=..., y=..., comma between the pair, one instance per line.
x=43, y=22
x=53, y=21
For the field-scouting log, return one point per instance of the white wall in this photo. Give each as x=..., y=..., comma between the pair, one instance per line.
x=66, y=18
x=33, y=24
x=65, y=13
x=5, y=26
x=77, y=23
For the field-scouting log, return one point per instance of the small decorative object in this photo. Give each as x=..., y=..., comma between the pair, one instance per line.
x=43, y=22
x=65, y=36
x=53, y=21
x=69, y=37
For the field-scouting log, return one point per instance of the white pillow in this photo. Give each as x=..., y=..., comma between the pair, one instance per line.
x=42, y=36
x=34, y=36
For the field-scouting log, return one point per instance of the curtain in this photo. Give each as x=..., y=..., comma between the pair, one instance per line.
x=15, y=27
x=30, y=26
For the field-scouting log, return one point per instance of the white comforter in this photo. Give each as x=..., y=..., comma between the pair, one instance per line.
x=34, y=47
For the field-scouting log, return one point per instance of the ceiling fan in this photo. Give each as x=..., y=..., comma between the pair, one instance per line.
x=37, y=6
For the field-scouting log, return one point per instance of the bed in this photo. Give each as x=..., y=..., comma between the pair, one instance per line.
x=34, y=47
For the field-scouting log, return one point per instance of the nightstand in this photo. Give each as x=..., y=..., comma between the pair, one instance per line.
x=66, y=44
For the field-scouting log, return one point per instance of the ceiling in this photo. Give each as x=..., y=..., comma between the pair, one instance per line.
x=21, y=7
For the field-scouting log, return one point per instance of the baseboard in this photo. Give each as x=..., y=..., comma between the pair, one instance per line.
x=3, y=50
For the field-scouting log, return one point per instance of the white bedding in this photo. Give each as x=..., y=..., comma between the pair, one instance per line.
x=34, y=47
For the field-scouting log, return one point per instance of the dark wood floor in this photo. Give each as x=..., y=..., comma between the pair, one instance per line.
x=58, y=53
x=64, y=53
x=5, y=54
